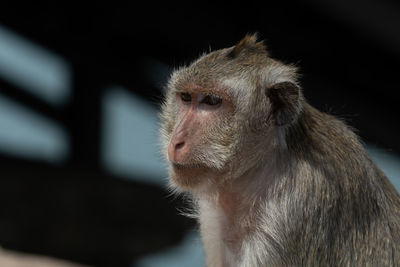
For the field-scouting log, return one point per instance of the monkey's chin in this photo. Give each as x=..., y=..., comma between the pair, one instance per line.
x=189, y=177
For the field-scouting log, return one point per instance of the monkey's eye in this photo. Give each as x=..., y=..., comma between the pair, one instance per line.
x=212, y=100
x=186, y=97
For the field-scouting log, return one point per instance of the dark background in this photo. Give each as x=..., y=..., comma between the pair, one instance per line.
x=348, y=52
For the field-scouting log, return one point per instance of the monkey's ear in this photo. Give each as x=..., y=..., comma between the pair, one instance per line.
x=285, y=101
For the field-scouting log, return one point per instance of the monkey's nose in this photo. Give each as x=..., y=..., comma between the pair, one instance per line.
x=176, y=151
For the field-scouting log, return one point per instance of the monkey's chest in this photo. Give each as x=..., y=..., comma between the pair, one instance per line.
x=222, y=228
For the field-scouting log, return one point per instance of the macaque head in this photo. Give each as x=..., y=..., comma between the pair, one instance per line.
x=223, y=111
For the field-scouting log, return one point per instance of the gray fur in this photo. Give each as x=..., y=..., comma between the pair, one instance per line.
x=302, y=192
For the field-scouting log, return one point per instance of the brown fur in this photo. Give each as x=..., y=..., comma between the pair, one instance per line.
x=248, y=42
x=275, y=182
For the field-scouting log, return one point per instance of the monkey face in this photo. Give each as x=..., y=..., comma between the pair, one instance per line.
x=200, y=142
x=218, y=114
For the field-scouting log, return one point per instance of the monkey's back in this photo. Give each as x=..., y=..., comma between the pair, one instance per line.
x=346, y=211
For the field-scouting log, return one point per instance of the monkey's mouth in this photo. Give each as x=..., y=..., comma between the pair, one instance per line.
x=187, y=166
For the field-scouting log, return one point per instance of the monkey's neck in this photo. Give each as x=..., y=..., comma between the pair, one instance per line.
x=228, y=201
x=241, y=196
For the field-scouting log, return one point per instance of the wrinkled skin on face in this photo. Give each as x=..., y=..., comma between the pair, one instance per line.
x=203, y=117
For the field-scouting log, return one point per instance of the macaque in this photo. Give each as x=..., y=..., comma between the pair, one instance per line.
x=273, y=181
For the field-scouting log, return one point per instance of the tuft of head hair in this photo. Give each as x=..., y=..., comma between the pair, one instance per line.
x=249, y=42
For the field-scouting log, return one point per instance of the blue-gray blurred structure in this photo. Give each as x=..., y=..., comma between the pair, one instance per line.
x=34, y=68
x=26, y=134
x=130, y=137
x=23, y=133
x=188, y=253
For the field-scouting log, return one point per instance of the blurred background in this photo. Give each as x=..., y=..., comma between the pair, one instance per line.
x=81, y=176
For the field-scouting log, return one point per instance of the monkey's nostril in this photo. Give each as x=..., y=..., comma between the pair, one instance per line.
x=179, y=145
